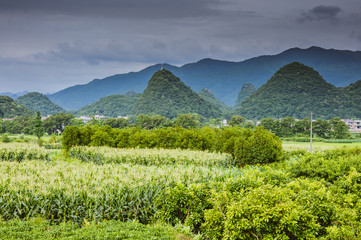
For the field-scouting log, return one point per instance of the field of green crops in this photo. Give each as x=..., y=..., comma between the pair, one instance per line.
x=45, y=194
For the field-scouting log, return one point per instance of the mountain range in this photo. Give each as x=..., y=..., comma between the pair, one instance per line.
x=225, y=79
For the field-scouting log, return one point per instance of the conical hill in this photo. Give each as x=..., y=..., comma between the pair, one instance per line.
x=168, y=96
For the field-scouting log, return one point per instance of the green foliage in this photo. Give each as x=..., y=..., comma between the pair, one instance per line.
x=111, y=106
x=39, y=102
x=288, y=127
x=149, y=122
x=270, y=213
x=57, y=122
x=255, y=147
x=207, y=95
x=38, y=127
x=246, y=91
x=168, y=96
x=236, y=121
x=5, y=138
x=37, y=228
x=116, y=122
x=295, y=90
x=187, y=121
x=309, y=196
x=246, y=146
x=9, y=108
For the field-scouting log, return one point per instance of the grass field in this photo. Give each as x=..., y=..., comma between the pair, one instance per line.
x=317, y=146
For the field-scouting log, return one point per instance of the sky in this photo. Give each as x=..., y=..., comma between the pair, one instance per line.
x=48, y=45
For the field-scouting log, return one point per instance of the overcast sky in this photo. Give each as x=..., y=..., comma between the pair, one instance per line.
x=48, y=45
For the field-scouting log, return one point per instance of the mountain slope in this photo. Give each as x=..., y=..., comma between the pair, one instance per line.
x=295, y=90
x=207, y=95
x=168, y=96
x=223, y=78
x=39, y=102
x=246, y=91
x=9, y=108
x=111, y=106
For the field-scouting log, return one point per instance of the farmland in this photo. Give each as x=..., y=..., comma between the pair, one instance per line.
x=108, y=190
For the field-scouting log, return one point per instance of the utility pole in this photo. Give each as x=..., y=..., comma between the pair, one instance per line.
x=311, y=135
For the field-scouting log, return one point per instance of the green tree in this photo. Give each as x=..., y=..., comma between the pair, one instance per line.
x=236, y=121
x=38, y=126
x=340, y=130
x=287, y=125
x=149, y=122
x=187, y=121
x=271, y=125
x=321, y=128
x=58, y=122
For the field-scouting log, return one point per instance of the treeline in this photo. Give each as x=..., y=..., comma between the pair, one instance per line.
x=289, y=127
x=246, y=146
x=26, y=124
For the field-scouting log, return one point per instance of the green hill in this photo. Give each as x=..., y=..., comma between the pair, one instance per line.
x=207, y=95
x=39, y=102
x=111, y=106
x=246, y=91
x=295, y=90
x=9, y=108
x=168, y=96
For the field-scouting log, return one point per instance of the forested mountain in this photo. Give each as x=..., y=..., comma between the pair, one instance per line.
x=246, y=91
x=168, y=96
x=9, y=108
x=223, y=78
x=296, y=90
x=39, y=102
x=111, y=106
x=207, y=95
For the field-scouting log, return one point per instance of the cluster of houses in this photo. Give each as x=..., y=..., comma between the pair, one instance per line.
x=354, y=125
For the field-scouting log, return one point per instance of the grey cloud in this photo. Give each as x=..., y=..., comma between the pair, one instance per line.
x=156, y=9
x=144, y=50
x=321, y=12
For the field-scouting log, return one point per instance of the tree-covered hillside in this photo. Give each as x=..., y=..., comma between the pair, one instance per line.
x=111, y=106
x=246, y=91
x=9, y=108
x=207, y=95
x=168, y=96
x=39, y=102
x=296, y=90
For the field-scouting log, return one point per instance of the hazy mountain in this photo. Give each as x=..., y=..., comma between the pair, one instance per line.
x=207, y=95
x=223, y=78
x=9, y=108
x=111, y=106
x=13, y=95
x=168, y=96
x=39, y=102
x=295, y=90
x=246, y=91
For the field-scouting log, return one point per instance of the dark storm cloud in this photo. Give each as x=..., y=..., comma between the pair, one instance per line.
x=116, y=8
x=321, y=12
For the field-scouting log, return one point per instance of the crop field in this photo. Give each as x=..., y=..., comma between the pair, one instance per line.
x=107, y=191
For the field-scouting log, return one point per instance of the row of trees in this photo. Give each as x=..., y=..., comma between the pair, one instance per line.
x=30, y=124
x=288, y=127
x=285, y=127
x=246, y=146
